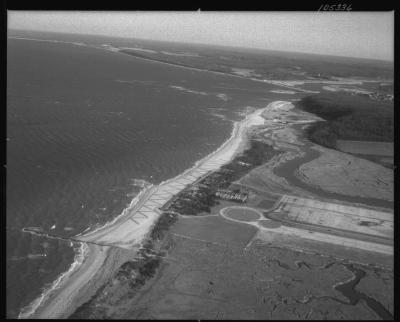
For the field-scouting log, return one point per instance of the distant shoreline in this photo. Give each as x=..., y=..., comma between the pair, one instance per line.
x=277, y=83
x=219, y=46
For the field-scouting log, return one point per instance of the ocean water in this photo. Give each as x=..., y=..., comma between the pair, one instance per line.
x=86, y=130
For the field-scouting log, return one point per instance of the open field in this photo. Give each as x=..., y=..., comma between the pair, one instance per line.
x=354, y=219
x=313, y=228
x=242, y=213
x=366, y=147
x=346, y=174
x=213, y=272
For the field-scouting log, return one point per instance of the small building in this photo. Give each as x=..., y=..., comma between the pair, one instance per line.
x=232, y=196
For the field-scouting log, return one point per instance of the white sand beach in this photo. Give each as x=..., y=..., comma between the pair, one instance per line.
x=130, y=229
x=108, y=245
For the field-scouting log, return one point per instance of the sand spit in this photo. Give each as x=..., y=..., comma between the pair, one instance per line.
x=279, y=91
x=180, y=54
x=128, y=231
x=139, y=49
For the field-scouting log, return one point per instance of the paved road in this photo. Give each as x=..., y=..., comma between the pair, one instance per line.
x=331, y=231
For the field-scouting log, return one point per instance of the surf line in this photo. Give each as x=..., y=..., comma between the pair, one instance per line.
x=30, y=309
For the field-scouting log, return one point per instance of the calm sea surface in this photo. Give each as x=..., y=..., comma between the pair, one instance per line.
x=83, y=125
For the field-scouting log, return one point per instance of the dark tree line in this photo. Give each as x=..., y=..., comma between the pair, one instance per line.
x=348, y=118
x=190, y=203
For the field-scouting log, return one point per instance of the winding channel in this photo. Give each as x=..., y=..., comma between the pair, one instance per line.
x=288, y=169
x=348, y=289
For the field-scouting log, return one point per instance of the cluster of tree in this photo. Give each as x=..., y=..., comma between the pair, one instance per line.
x=348, y=118
x=322, y=133
x=191, y=202
x=258, y=153
x=136, y=272
x=149, y=267
x=162, y=225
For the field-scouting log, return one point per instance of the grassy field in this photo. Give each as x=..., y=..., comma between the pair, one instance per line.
x=207, y=274
x=242, y=214
x=366, y=147
x=348, y=117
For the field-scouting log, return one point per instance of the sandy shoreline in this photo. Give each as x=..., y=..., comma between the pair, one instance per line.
x=55, y=305
x=129, y=230
x=99, y=265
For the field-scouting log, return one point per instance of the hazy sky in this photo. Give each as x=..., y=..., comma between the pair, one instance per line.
x=356, y=34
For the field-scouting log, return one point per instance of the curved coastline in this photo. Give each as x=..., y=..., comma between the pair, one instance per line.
x=157, y=196
x=62, y=297
x=108, y=243
x=34, y=306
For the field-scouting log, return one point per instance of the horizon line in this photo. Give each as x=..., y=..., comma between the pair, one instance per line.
x=202, y=43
